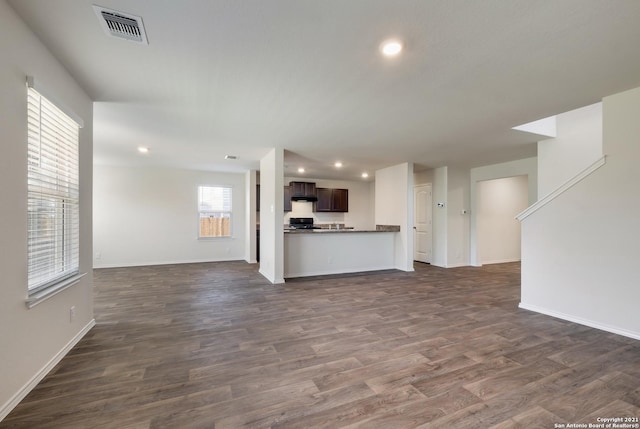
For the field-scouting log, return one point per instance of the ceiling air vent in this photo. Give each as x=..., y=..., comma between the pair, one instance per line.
x=121, y=25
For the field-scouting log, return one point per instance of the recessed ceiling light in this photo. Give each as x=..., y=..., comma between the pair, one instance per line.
x=391, y=48
x=143, y=149
x=338, y=164
x=230, y=157
x=365, y=175
x=300, y=170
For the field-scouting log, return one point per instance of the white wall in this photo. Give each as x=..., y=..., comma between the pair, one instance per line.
x=440, y=217
x=578, y=144
x=251, y=216
x=522, y=167
x=361, y=206
x=149, y=216
x=323, y=253
x=272, y=216
x=423, y=177
x=450, y=226
x=394, y=206
x=580, y=251
x=34, y=340
x=457, y=223
x=499, y=201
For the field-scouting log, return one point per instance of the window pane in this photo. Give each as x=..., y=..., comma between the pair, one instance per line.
x=53, y=193
x=214, y=207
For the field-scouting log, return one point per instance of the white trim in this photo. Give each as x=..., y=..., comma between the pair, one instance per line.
x=151, y=263
x=340, y=271
x=52, y=290
x=561, y=189
x=37, y=378
x=458, y=265
x=581, y=321
x=501, y=261
x=275, y=281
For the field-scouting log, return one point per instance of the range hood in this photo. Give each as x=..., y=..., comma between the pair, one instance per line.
x=305, y=198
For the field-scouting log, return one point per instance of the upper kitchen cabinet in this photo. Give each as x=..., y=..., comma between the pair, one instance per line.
x=287, y=198
x=332, y=200
x=303, y=191
x=340, y=200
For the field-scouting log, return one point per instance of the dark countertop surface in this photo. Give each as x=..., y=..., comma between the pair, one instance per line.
x=334, y=231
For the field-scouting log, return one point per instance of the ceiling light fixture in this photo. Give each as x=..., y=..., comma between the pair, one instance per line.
x=365, y=175
x=230, y=157
x=391, y=48
x=300, y=170
x=143, y=149
x=338, y=164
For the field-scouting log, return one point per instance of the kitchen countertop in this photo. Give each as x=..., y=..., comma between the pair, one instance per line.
x=379, y=228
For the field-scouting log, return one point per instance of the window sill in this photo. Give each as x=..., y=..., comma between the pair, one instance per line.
x=55, y=289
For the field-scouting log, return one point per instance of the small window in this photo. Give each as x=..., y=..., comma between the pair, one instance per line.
x=214, y=207
x=52, y=195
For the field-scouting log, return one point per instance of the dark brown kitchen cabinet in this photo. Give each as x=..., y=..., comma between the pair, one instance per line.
x=332, y=200
x=340, y=200
x=302, y=189
x=287, y=198
x=324, y=200
x=257, y=198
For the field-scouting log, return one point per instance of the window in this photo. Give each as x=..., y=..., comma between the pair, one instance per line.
x=214, y=207
x=52, y=194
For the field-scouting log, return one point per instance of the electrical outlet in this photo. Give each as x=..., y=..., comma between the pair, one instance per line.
x=98, y=256
x=72, y=314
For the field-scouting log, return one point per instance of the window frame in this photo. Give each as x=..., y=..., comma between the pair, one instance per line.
x=213, y=213
x=53, y=196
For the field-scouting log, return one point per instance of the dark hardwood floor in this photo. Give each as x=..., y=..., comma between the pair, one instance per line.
x=216, y=346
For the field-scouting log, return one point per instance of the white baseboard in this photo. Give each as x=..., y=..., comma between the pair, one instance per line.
x=153, y=263
x=37, y=378
x=457, y=265
x=338, y=271
x=501, y=261
x=581, y=321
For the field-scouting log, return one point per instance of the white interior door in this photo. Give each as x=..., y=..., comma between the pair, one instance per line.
x=422, y=201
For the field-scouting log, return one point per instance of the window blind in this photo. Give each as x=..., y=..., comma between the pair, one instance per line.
x=53, y=193
x=214, y=199
x=214, y=206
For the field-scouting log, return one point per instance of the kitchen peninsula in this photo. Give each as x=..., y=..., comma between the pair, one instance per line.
x=333, y=251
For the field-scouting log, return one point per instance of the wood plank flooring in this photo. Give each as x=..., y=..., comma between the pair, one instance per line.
x=216, y=346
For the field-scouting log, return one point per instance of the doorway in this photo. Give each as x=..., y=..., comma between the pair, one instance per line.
x=498, y=232
x=422, y=229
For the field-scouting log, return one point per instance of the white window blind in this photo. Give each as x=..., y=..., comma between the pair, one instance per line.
x=53, y=194
x=214, y=207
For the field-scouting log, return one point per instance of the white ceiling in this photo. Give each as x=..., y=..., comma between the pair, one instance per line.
x=242, y=76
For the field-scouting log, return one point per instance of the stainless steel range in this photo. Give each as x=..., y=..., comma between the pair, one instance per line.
x=302, y=223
